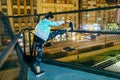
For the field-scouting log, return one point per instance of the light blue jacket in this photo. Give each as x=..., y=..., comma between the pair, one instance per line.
x=42, y=29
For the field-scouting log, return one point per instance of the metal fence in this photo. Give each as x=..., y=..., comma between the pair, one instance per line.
x=89, y=45
x=11, y=54
x=4, y=37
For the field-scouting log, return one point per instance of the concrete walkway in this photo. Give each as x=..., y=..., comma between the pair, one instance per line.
x=53, y=72
x=87, y=54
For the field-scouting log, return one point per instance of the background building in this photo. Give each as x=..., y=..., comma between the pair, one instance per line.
x=26, y=7
x=101, y=17
x=45, y=6
x=16, y=8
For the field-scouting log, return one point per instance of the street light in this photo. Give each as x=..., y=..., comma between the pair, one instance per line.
x=105, y=34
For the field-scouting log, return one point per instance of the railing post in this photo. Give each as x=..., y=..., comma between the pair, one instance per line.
x=29, y=36
x=23, y=67
x=24, y=42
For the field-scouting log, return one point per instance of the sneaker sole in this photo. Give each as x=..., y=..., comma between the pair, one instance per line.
x=40, y=74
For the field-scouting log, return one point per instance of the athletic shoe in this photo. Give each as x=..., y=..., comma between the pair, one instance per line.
x=40, y=73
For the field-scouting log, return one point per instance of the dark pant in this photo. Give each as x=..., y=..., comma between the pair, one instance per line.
x=39, y=42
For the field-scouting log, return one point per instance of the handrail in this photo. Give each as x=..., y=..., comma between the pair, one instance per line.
x=13, y=45
x=69, y=12
x=6, y=52
x=100, y=31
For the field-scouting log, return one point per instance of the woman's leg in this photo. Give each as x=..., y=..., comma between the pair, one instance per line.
x=39, y=56
x=55, y=33
x=38, y=59
x=39, y=42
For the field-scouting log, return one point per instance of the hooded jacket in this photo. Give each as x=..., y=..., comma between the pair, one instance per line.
x=42, y=29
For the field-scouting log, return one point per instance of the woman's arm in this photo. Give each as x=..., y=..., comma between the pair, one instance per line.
x=56, y=23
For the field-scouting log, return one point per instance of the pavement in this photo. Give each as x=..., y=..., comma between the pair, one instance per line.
x=53, y=72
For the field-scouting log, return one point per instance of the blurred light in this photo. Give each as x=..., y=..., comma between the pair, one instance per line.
x=73, y=38
x=88, y=15
x=63, y=18
x=99, y=19
x=112, y=26
x=93, y=27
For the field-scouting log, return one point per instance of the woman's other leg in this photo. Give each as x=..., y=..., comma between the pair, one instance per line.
x=55, y=33
x=39, y=43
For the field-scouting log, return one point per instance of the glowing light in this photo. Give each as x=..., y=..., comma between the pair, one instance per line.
x=92, y=27
x=73, y=38
x=112, y=26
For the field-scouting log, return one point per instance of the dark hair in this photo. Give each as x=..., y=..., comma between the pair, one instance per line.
x=49, y=14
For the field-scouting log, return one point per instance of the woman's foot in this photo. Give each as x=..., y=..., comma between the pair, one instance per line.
x=37, y=69
x=39, y=72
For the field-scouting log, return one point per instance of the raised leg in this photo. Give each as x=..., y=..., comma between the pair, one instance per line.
x=55, y=33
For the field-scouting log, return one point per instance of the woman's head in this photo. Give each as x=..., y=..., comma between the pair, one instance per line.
x=49, y=15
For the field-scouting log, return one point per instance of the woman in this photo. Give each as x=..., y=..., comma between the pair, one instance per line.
x=42, y=34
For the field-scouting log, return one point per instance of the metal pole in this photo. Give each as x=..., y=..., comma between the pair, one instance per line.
x=77, y=46
x=79, y=14
x=29, y=36
x=24, y=42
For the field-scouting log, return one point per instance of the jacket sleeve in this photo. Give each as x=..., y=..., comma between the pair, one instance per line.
x=57, y=23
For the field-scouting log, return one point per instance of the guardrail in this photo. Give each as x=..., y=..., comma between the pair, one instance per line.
x=69, y=12
x=107, y=62
x=4, y=55
x=23, y=53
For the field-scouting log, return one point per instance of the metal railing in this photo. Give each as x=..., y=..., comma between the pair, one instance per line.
x=99, y=69
x=6, y=60
x=107, y=62
x=26, y=50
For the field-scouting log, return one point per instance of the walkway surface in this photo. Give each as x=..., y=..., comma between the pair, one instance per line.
x=53, y=72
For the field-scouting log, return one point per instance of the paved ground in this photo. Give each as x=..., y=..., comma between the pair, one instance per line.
x=53, y=72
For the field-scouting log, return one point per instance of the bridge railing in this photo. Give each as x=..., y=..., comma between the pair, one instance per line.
x=85, y=39
x=81, y=39
x=11, y=54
